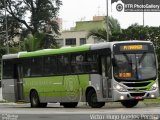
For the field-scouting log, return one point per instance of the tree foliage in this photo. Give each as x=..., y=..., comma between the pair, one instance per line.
x=101, y=34
x=38, y=41
x=29, y=17
x=33, y=14
x=12, y=28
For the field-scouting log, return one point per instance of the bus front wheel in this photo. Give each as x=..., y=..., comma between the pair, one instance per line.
x=34, y=99
x=92, y=100
x=129, y=103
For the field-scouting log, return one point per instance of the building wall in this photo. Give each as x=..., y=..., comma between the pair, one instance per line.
x=89, y=25
x=72, y=37
x=76, y=35
x=98, y=18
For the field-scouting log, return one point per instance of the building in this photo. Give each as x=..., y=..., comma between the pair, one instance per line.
x=74, y=38
x=59, y=21
x=78, y=35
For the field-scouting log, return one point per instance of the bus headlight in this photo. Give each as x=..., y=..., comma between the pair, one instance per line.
x=120, y=88
x=154, y=86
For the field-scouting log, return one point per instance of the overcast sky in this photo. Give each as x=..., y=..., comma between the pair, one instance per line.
x=77, y=10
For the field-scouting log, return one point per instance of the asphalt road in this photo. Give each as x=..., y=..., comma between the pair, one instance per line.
x=111, y=111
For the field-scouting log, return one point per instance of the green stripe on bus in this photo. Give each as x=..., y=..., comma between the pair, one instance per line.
x=55, y=51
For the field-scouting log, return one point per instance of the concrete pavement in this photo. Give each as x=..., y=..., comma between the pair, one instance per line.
x=0, y=94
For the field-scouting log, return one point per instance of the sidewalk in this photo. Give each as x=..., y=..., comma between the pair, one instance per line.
x=0, y=94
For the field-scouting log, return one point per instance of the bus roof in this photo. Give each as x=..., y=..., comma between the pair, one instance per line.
x=62, y=50
x=131, y=41
x=110, y=44
x=55, y=51
x=10, y=56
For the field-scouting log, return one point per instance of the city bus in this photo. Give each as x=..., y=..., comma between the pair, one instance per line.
x=124, y=71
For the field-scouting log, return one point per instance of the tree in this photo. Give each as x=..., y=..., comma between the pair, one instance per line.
x=136, y=32
x=33, y=14
x=29, y=17
x=101, y=34
x=114, y=25
x=38, y=41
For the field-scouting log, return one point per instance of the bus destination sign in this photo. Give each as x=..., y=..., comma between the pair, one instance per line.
x=133, y=47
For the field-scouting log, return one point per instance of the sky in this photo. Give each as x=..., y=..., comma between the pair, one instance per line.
x=83, y=10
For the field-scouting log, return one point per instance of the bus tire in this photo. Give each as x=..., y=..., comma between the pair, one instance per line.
x=69, y=104
x=34, y=99
x=129, y=103
x=43, y=105
x=92, y=100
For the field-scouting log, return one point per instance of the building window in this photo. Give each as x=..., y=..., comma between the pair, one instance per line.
x=71, y=41
x=82, y=41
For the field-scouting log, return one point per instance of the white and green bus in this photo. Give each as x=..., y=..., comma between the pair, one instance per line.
x=123, y=72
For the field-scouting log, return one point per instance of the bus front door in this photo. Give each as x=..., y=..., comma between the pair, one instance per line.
x=106, y=76
x=18, y=74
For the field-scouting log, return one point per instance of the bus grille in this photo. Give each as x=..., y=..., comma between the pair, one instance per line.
x=134, y=89
x=137, y=94
x=136, y=84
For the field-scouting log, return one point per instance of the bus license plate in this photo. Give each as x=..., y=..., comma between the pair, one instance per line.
x=138, y=97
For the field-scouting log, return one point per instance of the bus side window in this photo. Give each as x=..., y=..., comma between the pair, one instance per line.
x=8, y=69
x=36, y=66
x=109, y=66
x=28, y=72
x=73, y=63
x=91, y=63
x=26, y=67
x=77, y=63
x=60, y=64
x=50, y=65
x=67, y=67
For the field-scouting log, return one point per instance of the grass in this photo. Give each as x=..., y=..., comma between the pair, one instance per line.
x=152, y=101
x=3, y=101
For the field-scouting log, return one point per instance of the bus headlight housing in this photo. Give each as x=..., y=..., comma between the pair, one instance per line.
x=120, y=88
x=154, y=86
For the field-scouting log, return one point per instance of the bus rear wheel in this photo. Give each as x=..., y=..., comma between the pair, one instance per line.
x=69, y=104
x=92, y=100
x=34, y=99
x=129, y=103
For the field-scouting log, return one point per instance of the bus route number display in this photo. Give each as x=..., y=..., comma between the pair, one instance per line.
x=133, y=47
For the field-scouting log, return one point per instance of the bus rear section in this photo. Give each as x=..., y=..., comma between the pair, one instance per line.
x=12, y=84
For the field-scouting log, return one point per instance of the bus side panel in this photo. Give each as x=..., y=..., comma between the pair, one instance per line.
x=33, y=84
x=96, y=82
x=84, y=83
x=57, y=88
x=71, y=89
x=8, y=90
x=75, y=88
x=49, y=88
x=53, y=88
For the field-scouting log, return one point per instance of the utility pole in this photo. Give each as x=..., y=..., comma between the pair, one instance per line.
x=107, y=29
x=143, y=13
x=6, y=26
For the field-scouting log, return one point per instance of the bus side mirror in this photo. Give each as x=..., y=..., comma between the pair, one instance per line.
x=114, y=62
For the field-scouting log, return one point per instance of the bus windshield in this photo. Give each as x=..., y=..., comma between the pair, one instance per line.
x=135, y=66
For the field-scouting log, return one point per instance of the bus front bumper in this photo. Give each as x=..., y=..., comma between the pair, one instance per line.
x=120, y=96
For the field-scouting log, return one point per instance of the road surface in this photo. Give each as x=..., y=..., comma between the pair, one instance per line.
x=111, y=111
